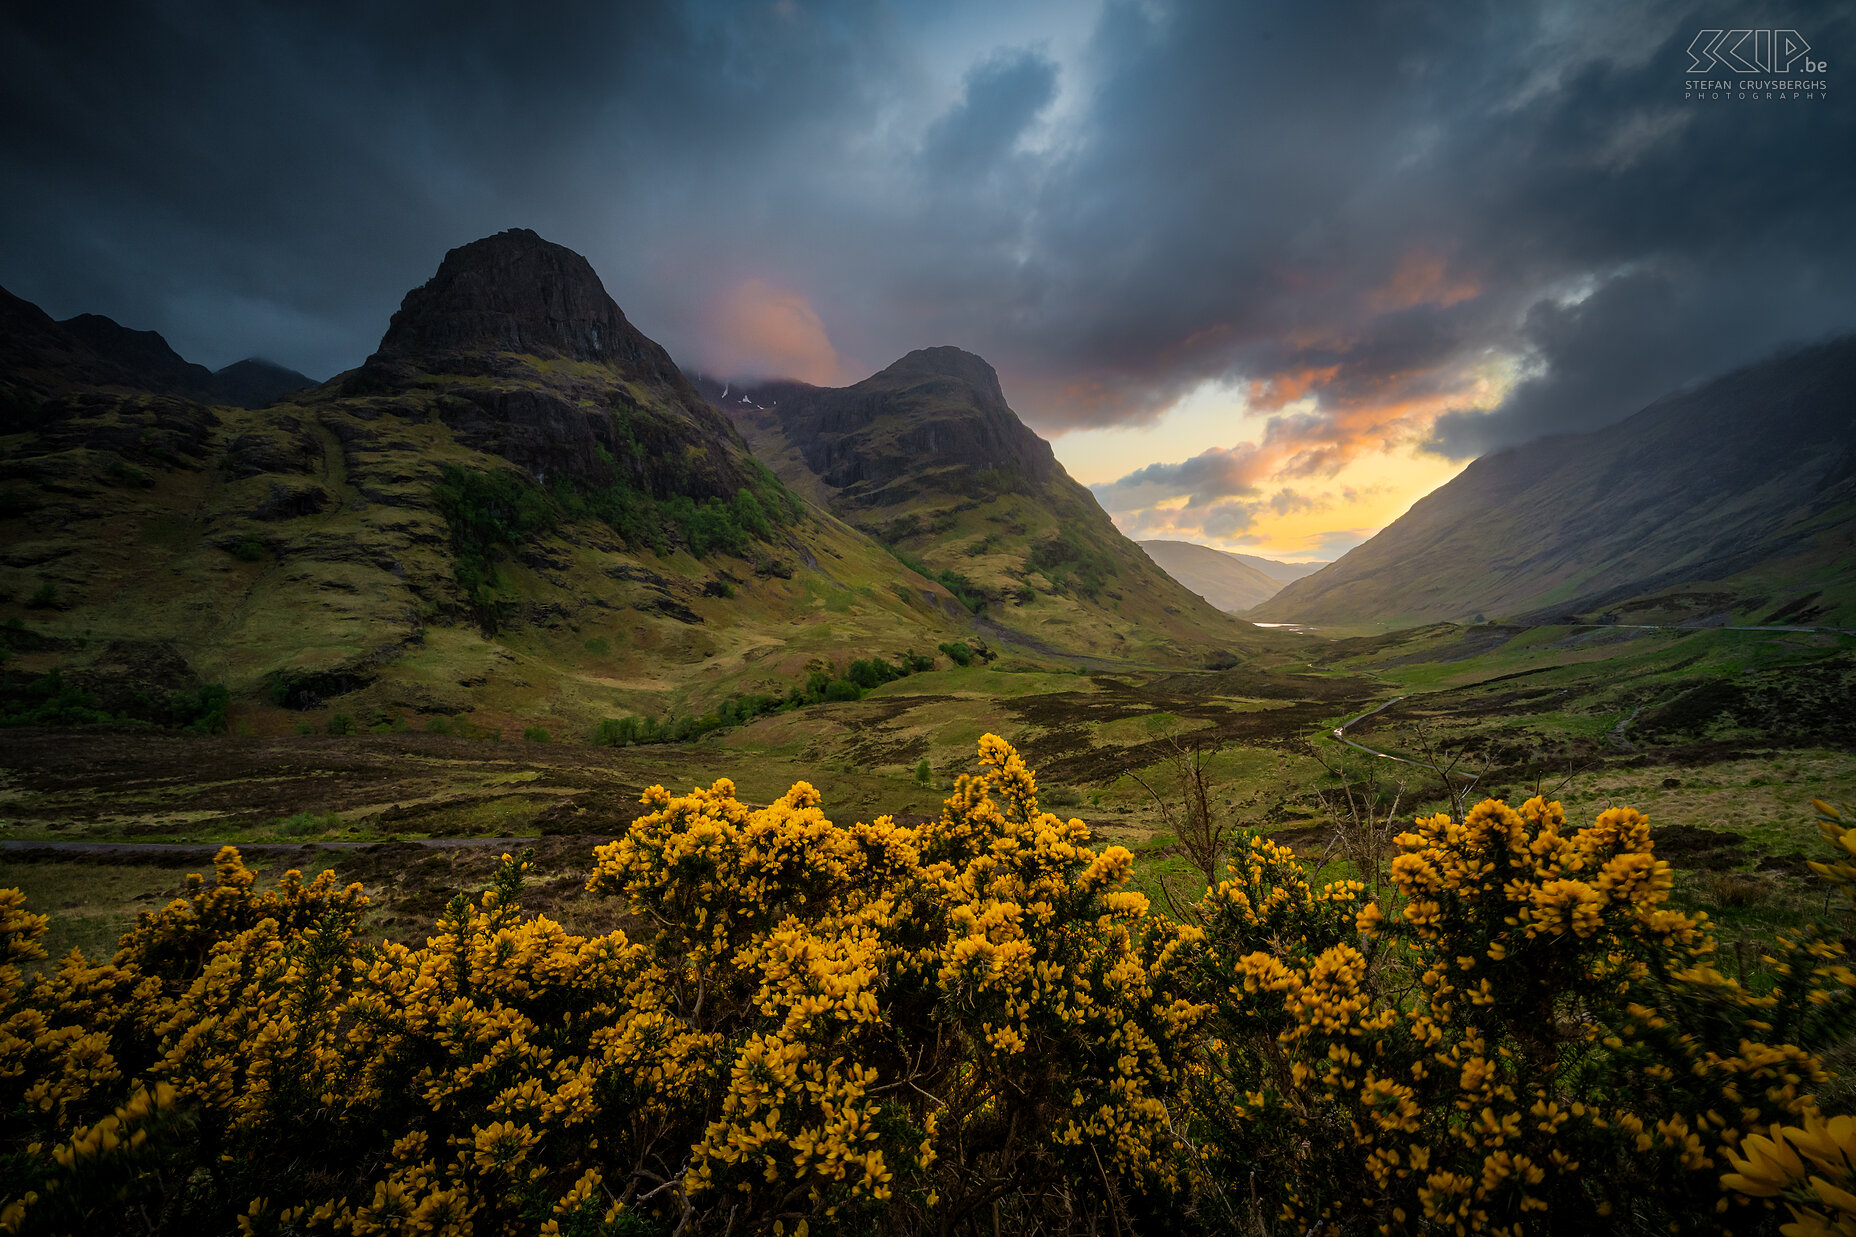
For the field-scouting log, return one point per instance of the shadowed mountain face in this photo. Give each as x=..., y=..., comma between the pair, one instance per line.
x=928, y=457
x=37, y=355
x=92, y=351
x=144, y=354
x=257, y=383
x=936, y=408
x=1224, y=579
x=515, y=292
x=1732, y=500
x=534, y=362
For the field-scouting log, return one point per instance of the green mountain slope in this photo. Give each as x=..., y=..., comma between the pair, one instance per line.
x=1227, y=580
x=928, y=458
x=518, y=508
x=1730, y=501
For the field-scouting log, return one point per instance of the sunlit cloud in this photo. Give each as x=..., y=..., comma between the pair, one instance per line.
x=758, y=330
x=1421, y=279
x=1328, y=457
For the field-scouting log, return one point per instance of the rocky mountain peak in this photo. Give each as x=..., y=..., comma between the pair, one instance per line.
x=515, y=292
x=949, y=362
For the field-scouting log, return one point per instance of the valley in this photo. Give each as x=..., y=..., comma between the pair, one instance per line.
x=834, y=620
x=1721, y=737
x=490, y=586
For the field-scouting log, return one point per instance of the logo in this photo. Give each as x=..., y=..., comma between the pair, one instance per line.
x=1749, y=65
x=1752, y=51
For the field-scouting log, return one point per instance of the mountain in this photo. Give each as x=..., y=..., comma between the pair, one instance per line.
x=257, y=383
x=517, y=508
x=1224, y=579
x=515, y=293
x=517, y=348
x=91, y=350
x=929, y=458
x=1280, y=572
x=39, y=355
x=1732, y=500
x=143, y=354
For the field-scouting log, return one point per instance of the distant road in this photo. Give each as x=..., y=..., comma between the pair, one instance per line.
x=1339, y=735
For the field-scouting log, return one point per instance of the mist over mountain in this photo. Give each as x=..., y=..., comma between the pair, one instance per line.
x=1733, y=499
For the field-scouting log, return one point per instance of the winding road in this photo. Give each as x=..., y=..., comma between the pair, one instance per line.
x=1339, y=735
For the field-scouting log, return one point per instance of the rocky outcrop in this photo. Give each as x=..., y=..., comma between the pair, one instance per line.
x=499, y=306
x=934, y=408
x=515, y=292
x=282, y=446
x=149, y=430
x=598, y=436
x=288, y=499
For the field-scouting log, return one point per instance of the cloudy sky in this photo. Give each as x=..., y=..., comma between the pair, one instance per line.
x=1263, y=273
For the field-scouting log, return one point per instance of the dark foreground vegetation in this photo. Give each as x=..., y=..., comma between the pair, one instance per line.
x=973, y=1024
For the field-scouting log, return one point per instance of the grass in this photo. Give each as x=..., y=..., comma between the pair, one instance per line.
x=1732, y=814
x=981, y=681
x=93, y=902
x=367, y=582
x=90, y=904
x=307, y=824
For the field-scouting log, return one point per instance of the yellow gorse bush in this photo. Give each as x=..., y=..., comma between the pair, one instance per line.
x=1524, y=1039
x=1812, y=1168
x=863, y=1025
x=970, y=1025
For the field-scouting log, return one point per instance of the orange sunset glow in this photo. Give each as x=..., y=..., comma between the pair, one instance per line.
x=1282, y=465
x=759, y=330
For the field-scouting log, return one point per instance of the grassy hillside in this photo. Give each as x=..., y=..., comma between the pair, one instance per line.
x=333, y=574
x=1730, y=502
x=539, y=537
x=928, y=458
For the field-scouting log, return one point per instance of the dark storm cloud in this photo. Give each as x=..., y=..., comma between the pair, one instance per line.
x=1343, y=209
x=1522, y=160
x=1002, y=96
x=1638, y=336
x=274, y=178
